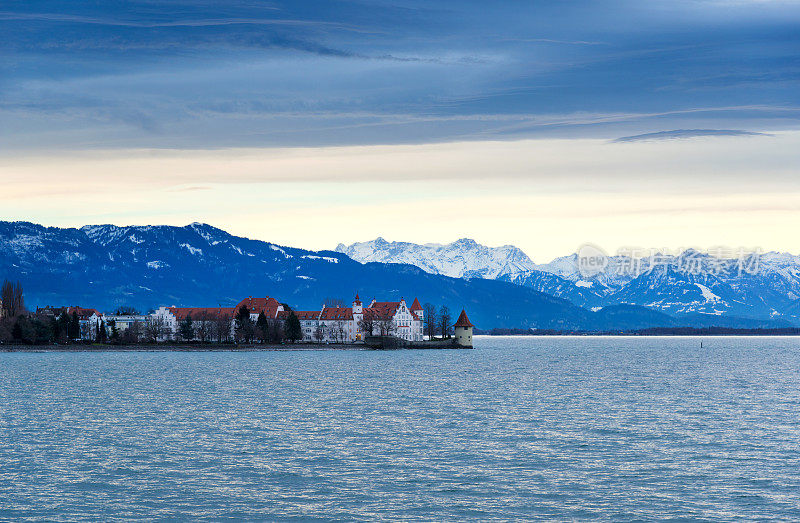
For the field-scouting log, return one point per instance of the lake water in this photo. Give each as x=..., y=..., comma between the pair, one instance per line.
x=550, y=428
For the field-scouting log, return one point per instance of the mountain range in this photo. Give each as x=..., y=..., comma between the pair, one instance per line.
x=763, y=287
x=107, y=266
x=464, y=258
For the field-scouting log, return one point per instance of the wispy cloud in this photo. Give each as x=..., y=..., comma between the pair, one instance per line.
x=679, y=134
x=554, y=41
x=195, y=74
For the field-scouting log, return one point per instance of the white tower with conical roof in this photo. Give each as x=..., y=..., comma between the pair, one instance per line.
x=463, y=330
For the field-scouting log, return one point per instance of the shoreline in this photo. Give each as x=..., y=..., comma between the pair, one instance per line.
x=212, y=347
x=655, y=332
x=185, y=348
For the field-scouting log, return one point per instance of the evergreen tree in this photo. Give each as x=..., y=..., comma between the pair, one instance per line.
x=244, y=325
x=187, y=328
x=262, y=327
x=30, y=331
x=114, y=331
x=102, y=335
x=41, y=332
x=74, y=327
x=293, y=329
x=63, y=326
x=55, y=329
x=16, y=332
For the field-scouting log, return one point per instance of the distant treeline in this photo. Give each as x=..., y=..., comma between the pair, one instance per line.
x=653, y=331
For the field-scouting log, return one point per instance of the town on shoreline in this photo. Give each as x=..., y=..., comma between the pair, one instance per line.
x=253, y=322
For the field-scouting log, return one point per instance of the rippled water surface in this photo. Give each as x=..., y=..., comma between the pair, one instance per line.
x=551, y=428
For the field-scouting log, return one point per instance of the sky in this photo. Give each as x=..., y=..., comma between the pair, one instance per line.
x=546, y=125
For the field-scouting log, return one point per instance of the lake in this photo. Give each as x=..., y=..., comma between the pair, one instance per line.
x=618, y=428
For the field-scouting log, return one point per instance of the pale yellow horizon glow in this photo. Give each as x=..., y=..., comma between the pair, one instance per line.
x=544, y=196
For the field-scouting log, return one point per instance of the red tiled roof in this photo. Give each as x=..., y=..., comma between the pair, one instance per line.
x=416, y=306
x=386, y=306
x=82, y=313
x=387, y=309
x=269, y=306
x=463, y=321
x=199, y=313
x=374, y=314
x=301, y=315
x=337, y=313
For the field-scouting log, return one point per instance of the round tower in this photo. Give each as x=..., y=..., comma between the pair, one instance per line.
x=463, y=330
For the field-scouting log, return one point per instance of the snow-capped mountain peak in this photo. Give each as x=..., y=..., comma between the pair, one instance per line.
x=463, y=258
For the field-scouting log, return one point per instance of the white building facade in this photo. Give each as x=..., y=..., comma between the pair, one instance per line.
x=327, y=325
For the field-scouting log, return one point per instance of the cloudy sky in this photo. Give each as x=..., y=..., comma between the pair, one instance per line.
x=542, y=124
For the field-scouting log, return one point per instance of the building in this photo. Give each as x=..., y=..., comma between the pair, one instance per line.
x=269, y=306
x=212, y=323
x=209, y=319
x=327, y=325
x=123, y=322
x=396, y=318
x=89, y=320
x=463, y=330
x=309, y=323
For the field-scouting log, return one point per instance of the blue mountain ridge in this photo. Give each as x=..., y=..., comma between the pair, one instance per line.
x=106, y=266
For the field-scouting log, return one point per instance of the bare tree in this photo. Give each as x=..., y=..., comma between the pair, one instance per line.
x=132, y=334
x=222, y=328
x=444, y=321
x=319, y=332
x=13, y=301
x=386, y=326
x=6, y=294
x=430, y=319
x=154, y=329
x=366, y=325
x=203, y=328
x=339, y=331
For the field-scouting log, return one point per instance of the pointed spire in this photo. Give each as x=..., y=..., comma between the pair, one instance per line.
x=416, y=306
x=463, y=321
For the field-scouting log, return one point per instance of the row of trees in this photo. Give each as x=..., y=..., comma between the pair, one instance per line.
x=39, y=329
x=437, y=322
x=207, y=328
